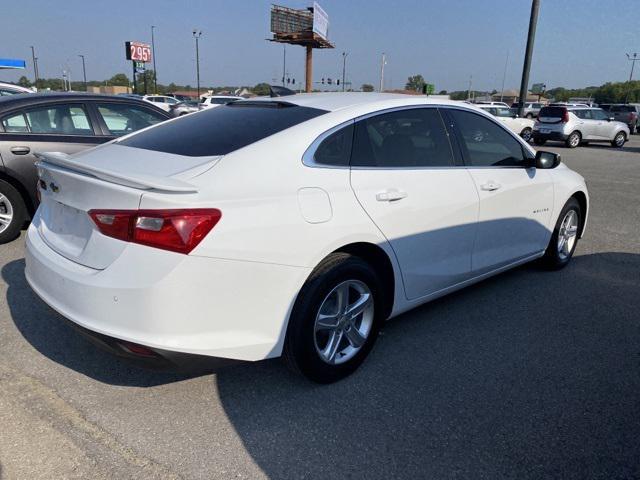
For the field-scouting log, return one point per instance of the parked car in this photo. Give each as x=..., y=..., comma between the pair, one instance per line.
x=217, y=100
x=627, y=113
x=62, y=122
x=509, y=116
x=182, y=98
x=183, y=108
x=188, y=238
x=161, y=101
x=11, y=89
x=575, y=125
x=484, y=102
x=531, y=109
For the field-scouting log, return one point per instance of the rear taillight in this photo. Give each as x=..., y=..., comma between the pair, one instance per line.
x=176, y=230
x=565, y=116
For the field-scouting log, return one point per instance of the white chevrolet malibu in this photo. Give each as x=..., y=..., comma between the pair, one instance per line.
x=292, y=226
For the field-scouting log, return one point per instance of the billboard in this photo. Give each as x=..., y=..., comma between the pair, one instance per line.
x=285, y=20
x=320, y=21
x=138, y=51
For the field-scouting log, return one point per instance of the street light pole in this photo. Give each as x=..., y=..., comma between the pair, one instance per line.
x=35, y=66
x=524, y=84
x=153, y=53
x=384, y=62
x=632, y=58
x=197, y=34
x=284, y=62
x=344, y=66
x=84, y=72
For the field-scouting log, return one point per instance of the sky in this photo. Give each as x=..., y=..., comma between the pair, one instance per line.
x=578, y=42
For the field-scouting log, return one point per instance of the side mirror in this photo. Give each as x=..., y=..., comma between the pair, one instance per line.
x=611, y=119
x=547, y=160
x=515, y=115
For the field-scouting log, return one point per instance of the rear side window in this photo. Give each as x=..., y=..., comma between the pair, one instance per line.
x=56, y=119
x=335, y=150
x=485, y=143
x=221, y=130
x=557, y=112
x=413, y=137
x=623, y=108
x=15, y=124
x=121, y=118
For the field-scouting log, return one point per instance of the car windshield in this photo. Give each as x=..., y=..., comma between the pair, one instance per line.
x=505, y=112
x=221, y=130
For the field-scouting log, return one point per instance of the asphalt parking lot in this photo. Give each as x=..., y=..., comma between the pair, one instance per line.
x=530, y=374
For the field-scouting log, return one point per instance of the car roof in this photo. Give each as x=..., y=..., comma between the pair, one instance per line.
x=339, y=101
x=28, y=99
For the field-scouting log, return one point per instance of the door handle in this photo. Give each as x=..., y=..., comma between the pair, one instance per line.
x=390, y=195
x=490, y=186
x=20, y=150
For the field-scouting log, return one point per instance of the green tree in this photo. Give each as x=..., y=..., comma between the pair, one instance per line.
x=367, y=87
x=119, y=79
x=442, y=92
x=262, y=89
x=415, y=83
x=24, y=82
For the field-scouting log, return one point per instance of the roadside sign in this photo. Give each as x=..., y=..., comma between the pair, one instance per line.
x=138, y=51
x=320, y=21
x=140, y=67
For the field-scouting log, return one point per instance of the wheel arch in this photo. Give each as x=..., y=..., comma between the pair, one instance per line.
x=581, y=197
x=26, y=197
x=379, y=260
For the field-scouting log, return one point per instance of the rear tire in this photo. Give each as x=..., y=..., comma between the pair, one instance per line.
x=618, y=140
x=320, y=319
x=573, y=140
x=13, y=212
x=565, y=236
x=529, y=115
x=526, y=134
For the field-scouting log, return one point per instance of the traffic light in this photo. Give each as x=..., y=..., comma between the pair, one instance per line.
x=323, y=80
x=338, y=82
x=329, y=81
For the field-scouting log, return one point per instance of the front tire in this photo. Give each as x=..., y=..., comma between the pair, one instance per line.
x=573, y=140
x=565, y=236
x=335, y=320
x=618, y=140
x=13, y=212
x=526, y=134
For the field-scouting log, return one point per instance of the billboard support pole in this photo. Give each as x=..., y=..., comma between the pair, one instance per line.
x=524, y=85
x=309, y=69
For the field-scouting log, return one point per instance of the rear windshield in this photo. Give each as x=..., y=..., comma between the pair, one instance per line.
x=623, y=108
x=221, y=130
x=557, y=112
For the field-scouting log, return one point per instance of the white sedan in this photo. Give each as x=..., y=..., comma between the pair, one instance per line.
x=508, y=116
x=292, y=226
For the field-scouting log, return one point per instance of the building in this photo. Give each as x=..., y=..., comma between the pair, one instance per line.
x=512, y=96
x=110, y=90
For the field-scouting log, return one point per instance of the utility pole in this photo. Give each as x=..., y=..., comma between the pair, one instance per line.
x=197, y=34
x=284, y=62
x=153, y=53
x=35, y=66
x=504, y=75
x=632, y=58
x=84, y=72
x=344, y=67
x=469, y=90
x=533, y=21
x=384, y=62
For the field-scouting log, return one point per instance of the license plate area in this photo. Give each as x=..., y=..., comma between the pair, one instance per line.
x=66, y=229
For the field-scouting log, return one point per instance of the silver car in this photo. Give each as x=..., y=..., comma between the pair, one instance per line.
x=575, y=125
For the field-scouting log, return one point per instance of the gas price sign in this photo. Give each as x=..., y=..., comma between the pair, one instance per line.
x=138, y=51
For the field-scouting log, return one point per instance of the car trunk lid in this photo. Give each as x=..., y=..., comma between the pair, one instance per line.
x=115, y=178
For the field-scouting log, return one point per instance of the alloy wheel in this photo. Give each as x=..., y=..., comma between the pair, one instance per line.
x=619, y=140
x=574, y=140
x=6, y=213
x=567, y=234
x=343, y=322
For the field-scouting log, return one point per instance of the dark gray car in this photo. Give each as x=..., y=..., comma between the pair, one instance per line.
x=60, y=122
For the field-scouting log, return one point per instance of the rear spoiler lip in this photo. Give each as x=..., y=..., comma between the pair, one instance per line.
x=134, y=180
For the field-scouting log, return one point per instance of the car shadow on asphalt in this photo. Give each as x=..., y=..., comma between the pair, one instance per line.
x=530, y=374
x=50, y=334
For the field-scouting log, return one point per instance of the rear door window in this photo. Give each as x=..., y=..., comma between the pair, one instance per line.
x=224, y=129
x=408, y=138
x=122, y=118
x=51, y=120
x=15, y=123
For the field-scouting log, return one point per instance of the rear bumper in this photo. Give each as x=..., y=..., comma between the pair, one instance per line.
x=559, y=136
x=170, y=302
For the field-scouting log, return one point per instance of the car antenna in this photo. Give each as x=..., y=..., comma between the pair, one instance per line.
x=276, y=91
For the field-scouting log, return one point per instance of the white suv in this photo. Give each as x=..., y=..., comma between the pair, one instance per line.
x=575, y=125
x=508, y=116
x=11, y=89
x=161, y=101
